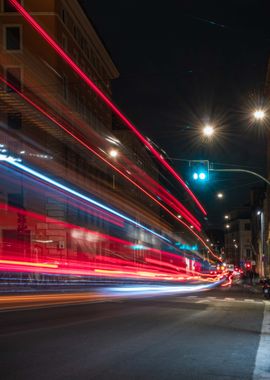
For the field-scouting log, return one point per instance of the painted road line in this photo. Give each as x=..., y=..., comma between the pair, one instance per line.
x=262, y=364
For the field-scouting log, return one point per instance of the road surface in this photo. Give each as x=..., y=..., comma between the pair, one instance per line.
x=204, y=336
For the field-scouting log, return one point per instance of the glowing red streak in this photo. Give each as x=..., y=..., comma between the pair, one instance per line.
x=228, y=283
x=55, y=121
x=102, y=264
x=87, y=80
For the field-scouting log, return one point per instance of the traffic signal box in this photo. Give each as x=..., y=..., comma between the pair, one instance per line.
x=199, y=170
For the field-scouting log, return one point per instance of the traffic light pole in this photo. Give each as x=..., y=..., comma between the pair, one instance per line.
x=209, y=167
x=241, y=171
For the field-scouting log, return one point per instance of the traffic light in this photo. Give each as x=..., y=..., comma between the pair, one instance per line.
x=199, y=170
x=248, y=265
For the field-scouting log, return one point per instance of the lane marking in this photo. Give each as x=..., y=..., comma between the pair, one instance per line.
x=228, y=299
x=262, y=363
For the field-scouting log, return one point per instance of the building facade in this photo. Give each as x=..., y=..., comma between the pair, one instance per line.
x=51, y=120
x=266, y=208
x=238, y=244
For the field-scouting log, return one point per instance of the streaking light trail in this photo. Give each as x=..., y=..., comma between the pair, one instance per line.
x=18, y=165
x=146, y=290
x=185, y=213
x=36, y=174
x=106, y=100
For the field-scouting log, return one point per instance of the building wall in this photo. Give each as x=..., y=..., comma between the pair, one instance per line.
x=266, y=253
x=50, y=82
x=238, y=247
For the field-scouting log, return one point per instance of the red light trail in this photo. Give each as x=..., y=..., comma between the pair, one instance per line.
x=40, y=176
x=106, y=100
x=19, y=257
x=184, y=212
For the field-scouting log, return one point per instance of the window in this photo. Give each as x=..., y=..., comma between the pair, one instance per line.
x=247, y=226
x=64, y=42
x=75, y=32
x=65, y=88
x=63, y=13
x=13, y=38
x=8, y=7
x=248, y=253
x=76, y=57
x=14, y=120
x=15, y=200
x=13, y=76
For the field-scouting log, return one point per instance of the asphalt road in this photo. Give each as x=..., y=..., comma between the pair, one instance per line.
x=211, y=335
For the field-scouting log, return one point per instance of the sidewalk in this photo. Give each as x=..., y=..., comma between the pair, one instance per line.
x=255, y=288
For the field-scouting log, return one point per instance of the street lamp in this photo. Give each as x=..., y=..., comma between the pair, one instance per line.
x=259, y=114
x=220, y=196
x=227, y=226
x=113, y=153
x=226, y=217
x=208, y=131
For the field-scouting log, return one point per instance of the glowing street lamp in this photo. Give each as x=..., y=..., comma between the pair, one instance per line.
x=113, y=153
x=227, y=226
x=226, y=217
x=259, y=114
x=220, y=195
x=208, y=131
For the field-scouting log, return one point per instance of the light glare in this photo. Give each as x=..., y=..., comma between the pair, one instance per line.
x=208, y=131
x=202, y=176
x=113, y=153
x=259, y=114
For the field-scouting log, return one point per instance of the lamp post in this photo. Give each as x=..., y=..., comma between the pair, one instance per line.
x=113, y=153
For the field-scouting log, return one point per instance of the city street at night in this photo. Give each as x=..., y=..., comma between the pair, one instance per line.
x=134, y=190
x=210, y=335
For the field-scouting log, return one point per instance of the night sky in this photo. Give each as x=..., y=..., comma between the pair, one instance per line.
x=183, y=63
